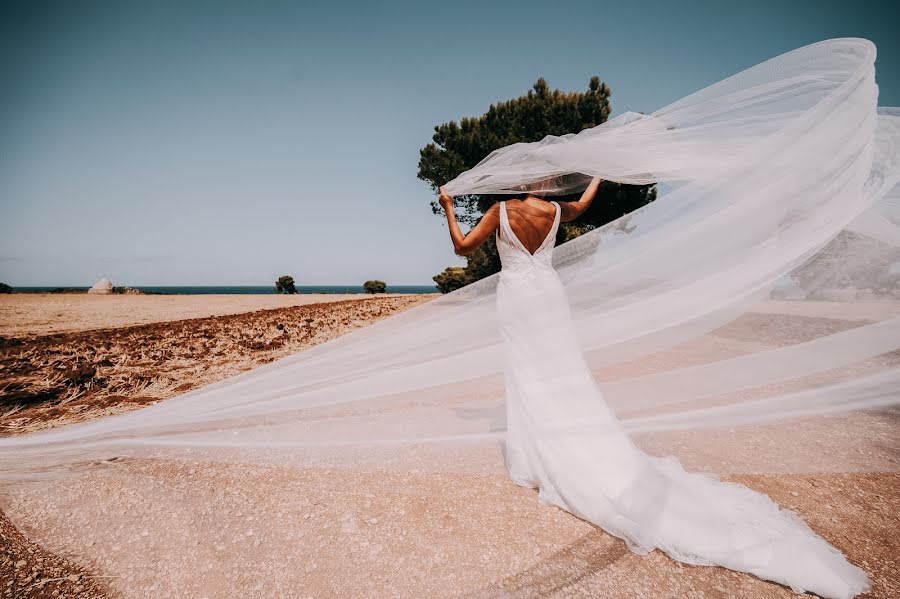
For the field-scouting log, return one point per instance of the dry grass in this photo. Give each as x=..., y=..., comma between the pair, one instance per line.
x=51, y=380
x=48, y=381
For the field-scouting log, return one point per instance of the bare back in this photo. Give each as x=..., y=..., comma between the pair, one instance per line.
x=531, y=220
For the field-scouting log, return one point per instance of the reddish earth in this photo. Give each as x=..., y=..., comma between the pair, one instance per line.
x=50, y=380
x=75, y=375
x=436, y=535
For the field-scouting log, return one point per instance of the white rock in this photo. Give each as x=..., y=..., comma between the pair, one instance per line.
x=103, y=286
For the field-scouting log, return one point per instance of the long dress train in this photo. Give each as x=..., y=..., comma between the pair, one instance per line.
x=563, y=439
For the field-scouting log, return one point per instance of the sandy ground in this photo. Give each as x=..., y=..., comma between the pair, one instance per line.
x=25, y=564
x=64, y=377
x=331, y=532
x=24, y=314
x=186, y=530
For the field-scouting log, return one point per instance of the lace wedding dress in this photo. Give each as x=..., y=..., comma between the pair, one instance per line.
x=593, y=470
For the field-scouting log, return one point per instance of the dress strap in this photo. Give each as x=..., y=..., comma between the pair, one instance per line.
x=550, y=239
x=504, y=222
x=508, y=234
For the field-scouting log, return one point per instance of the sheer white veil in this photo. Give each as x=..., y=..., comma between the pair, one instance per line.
x=746, y=320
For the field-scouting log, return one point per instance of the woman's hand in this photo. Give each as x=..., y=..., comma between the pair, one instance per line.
x=572, y=210
x=444, y=200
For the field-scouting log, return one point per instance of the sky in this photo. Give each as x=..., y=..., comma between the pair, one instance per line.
x=228, y=143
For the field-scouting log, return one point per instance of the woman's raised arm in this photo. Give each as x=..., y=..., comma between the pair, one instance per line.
x=572, y=210
x=464, y=245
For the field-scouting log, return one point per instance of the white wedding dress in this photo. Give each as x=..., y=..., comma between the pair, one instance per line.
x=593, y=470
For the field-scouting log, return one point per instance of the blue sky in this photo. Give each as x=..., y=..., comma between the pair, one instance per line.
x=217, y=143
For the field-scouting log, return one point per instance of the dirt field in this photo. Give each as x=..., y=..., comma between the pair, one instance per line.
x=29, y=314
x=57, y=368
x=74, y=374
x=286, y=532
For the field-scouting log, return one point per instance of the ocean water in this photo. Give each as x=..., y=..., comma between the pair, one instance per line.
x=250, y=289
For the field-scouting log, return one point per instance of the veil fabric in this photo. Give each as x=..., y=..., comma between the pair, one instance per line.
x=747, y=320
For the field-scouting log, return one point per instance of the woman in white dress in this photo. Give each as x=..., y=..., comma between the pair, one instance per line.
x=564, y=440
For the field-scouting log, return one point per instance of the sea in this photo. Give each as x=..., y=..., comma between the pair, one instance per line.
x=244, y=289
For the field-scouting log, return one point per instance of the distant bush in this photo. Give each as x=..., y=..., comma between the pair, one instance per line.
x=4, y=288
x=375, y=286
x=127, y=290
x=285, y=284
x=451, y=279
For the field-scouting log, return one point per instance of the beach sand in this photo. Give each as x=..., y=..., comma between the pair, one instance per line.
x=28, y=314
x=319, y=532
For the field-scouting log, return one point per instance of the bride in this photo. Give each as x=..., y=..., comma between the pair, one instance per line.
x=595, y=471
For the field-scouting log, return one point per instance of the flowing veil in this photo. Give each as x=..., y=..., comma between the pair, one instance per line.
x=746, y=321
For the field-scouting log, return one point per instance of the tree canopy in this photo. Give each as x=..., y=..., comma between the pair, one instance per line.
x=451, y=279
x=375, y=286
x=457, y=147
x=285, y=284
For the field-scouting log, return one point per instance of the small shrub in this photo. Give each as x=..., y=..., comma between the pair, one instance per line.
x=4, y=288
x=375, y=286
x=285, y=284
x=451, y=279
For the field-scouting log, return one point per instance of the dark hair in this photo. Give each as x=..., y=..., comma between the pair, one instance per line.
x=525, y=194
